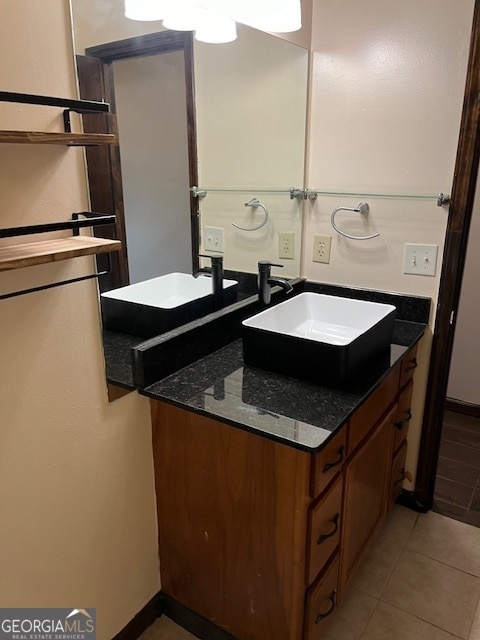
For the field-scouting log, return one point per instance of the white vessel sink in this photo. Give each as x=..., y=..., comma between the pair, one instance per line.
x=151, y=307
x=167, y=292
x=318, y=337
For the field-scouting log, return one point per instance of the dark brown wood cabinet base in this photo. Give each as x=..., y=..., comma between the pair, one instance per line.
x=260, y=538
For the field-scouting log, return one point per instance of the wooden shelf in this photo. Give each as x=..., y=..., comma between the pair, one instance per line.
x=26, y=255
x=68, y=139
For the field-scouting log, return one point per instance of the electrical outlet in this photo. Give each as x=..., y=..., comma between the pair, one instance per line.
x=420, y=259
x=286, y=245
x=321, y=248
x=213, y=238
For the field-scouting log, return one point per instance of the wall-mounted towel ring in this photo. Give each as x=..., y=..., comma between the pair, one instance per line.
x=254, y=202
x=363, y=209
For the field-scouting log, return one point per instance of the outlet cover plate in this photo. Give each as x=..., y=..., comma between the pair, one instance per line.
x=321, y=248
x=286, y=245
x=420, y=259
x=213, y=238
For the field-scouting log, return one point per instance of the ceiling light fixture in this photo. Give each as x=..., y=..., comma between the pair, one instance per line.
x=214, y=20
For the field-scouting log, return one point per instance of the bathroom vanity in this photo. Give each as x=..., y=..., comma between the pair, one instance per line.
x=270, y=490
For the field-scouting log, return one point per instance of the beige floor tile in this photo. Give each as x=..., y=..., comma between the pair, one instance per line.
x=165, y=629
x=351, y=617
x=399, y=524
x=373, y=575
x=389, y=623
x=448, y=541
x=433, y=591
x=475, y=631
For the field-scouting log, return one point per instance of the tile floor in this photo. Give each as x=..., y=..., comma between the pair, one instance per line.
x=421, y=581
x=457, y=486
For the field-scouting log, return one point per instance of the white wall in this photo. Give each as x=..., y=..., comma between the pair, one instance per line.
x=464, y=379
x=152, y=123
x=386, y=98
x=76, y=480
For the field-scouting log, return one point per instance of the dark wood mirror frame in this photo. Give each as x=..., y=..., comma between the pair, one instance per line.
x=95, y=74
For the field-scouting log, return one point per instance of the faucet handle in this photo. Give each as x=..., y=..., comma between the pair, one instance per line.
x=266, y=265
x=216, y=259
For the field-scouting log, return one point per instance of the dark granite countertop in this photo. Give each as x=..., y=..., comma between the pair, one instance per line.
x=117, y=348
x=297, y=413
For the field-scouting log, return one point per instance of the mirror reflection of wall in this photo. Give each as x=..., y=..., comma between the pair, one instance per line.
x=250, y=108
x=251, y=119
x=154, y=158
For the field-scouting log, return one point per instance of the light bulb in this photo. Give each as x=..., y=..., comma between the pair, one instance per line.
x=215, y=29
x=183, y=15
x=145, y=10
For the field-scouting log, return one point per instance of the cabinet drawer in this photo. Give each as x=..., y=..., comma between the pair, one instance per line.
x=321, y=603
x=371, y=410
x=398, y=474
x=408, y=366
x=404, y=415
x=328, y=463
x=324, y=521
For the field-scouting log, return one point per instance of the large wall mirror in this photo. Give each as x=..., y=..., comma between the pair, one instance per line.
x=235, y=129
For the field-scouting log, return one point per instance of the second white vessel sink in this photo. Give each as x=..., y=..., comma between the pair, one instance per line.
x=318, y=337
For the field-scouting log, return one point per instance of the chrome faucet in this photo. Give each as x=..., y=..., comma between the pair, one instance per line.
x=216, y=271
x=265, y=279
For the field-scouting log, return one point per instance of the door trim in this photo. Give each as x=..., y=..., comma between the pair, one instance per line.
x=456, y=239
x=148, y=45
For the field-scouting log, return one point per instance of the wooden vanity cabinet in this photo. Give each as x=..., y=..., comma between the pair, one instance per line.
x=261, y=538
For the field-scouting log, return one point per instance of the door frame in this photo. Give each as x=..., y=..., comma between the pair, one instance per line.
x=456, y=239
x=136, y=47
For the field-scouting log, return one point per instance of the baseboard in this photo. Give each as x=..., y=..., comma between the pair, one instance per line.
x=462, y=407
x=191, y=621
x=144, y=618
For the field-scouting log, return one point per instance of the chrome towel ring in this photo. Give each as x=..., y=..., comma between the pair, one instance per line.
x=254, y=203
x=363, y=209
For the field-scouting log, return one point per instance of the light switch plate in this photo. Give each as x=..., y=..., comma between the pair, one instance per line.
x=213, y=238
x=420, y=259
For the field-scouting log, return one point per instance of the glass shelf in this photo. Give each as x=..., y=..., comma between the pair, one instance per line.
x=312, y=194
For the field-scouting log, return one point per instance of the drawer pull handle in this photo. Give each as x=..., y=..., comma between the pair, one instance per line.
x=321, y=616
x=413, y=365
x=403, y=475
x=326, y=536
x=330, y=465
x=401, y=423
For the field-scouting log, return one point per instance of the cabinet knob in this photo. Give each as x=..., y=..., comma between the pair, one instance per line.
x=326, y=536
x=330, y=465
x=413, y=365
x=401, y=423
x=321, y=616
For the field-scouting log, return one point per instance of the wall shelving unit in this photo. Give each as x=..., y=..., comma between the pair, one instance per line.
x=19, y=256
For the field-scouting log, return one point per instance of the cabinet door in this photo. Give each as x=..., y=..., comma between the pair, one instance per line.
x=367, y=478
x=232, y=521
